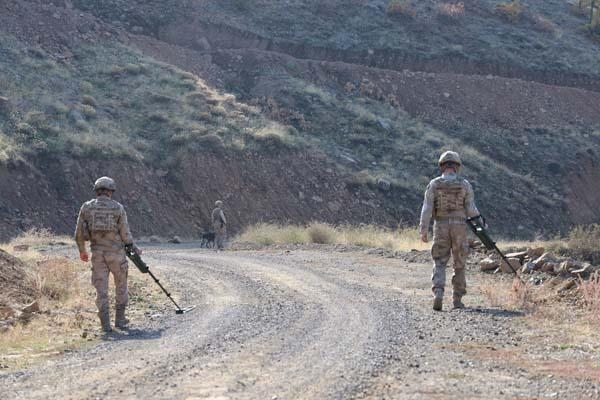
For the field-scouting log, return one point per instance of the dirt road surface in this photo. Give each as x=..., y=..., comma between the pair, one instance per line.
x=302, y=324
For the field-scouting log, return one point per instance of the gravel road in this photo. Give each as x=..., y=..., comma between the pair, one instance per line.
x=300, y=324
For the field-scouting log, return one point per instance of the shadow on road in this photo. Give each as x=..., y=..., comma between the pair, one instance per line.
x=133, y=334
x=495, y=312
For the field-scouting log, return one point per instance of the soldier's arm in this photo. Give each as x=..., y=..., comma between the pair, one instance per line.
x=222, y=215
x=124, y=231
x=427, y=210
x=470, y=206
x=80, y=233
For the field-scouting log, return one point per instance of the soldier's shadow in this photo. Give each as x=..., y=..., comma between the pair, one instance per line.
x=133, y=334
x=495, y=312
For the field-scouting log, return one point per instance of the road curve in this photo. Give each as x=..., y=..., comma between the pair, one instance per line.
x=303, y=324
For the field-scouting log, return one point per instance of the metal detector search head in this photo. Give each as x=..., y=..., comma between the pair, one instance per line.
x=184, y=310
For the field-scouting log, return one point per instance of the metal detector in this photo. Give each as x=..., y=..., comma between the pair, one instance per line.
x=144, y=269
x=478, y=226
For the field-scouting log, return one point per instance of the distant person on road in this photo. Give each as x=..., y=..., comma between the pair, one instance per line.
x=103, y=222
x=219, y=223
x=449, y=199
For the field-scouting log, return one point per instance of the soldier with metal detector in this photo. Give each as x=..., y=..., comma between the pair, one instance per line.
x=449, y=200
x=103, y=222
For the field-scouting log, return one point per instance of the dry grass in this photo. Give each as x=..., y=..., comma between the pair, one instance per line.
x=34, y=239
x=403, y=8
x=584, y=243
x=545, y=25
x=450, y=11
x=590, y=292
x=512, y=11
x=566, y=334
x=518, y=296
x=37, y=237
x=67, y=302
x=317, y=232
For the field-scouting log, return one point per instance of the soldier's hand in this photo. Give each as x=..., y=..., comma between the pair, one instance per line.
x=137, y=250
x=84, y=257
x=424, y=238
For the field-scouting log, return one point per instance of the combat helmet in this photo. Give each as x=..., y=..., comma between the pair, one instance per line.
x=450, y=156
x=105, y=183
x=218, y=203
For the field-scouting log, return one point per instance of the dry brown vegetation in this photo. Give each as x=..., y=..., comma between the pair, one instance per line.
x=64, y=315
x=403, y=8
x=321, y=233
x=555, y=319
x=512, y=11
x=450, y=11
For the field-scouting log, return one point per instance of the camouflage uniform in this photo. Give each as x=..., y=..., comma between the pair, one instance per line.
x=449, y=199
x=219, y=223
x=103, y=221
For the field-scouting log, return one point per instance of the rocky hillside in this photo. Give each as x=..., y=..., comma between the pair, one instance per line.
x=296, y=113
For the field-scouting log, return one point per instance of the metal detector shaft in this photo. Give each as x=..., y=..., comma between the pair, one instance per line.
x=165, y=290
x=477, y=225
x=133, y=255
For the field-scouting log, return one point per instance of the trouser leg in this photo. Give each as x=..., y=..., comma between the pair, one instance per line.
x=220, y=235
x=440, y=252
x=100, y=274
x=460, y=251
x=119, y=268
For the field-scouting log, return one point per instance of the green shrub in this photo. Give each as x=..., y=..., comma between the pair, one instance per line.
x=202, y=116
x=160, y=98
x=133, y=69
x=210, y=142
x=82, y=125
x=158, y=117
x=196, y=98
x=57, y=108
x=89, y=100
x=86, y=87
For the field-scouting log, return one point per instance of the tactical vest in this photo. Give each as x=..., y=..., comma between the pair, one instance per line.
x=103, y=217
x=449, y=200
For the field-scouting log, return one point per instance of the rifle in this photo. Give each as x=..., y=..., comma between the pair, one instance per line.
x=477, y=225
x=144, y=269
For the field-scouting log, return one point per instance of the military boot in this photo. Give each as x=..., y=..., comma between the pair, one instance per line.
x=104, y=315
x=457, y=303
x=120, y=321
x=438, y=299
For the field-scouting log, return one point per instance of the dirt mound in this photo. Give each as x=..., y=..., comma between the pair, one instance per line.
x=15, y=288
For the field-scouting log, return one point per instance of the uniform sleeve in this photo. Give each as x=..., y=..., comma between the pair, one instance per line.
x=124, y=231
x=80, y=231
x=427, y=210
x=470, y=206
x=222, y=215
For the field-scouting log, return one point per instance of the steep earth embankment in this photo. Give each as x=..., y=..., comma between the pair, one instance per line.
x=287, y=188
x=300, y=138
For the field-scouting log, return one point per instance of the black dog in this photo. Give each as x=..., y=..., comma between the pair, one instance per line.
x=207, y=239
